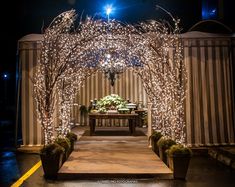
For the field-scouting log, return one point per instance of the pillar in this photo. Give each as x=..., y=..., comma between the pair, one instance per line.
x=149, y=122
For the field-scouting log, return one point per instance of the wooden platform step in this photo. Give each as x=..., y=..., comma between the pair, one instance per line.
x=113, y=157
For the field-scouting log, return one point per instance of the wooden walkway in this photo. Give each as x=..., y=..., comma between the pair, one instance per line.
x=112, y=157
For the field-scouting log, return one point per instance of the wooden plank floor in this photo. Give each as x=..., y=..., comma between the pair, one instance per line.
x=113, y=156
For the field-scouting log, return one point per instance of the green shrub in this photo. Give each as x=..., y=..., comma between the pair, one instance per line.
x=155, y=136
x=72, y=136
x=64, y=142
x=179, y=150
x=165, y=143
x=52, y=149
x=154, y=139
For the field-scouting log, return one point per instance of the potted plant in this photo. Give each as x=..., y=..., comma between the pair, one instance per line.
x=65, y=143
x=164, y=144
x=155, y=136
x=51, y=157
x=83, y=110
x=83, y=114
x=72, y=138
x=178, y=158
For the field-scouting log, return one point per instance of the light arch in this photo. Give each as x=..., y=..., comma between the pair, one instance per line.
x=69, y=56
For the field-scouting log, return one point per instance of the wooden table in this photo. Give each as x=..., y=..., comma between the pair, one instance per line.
x=131, y=120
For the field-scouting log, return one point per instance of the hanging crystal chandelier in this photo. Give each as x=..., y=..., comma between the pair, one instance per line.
x=113, y=61
x=112, y=67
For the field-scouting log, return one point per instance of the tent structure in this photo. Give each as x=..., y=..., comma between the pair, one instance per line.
x=209, y=105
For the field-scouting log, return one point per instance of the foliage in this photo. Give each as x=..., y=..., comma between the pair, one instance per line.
x=155, y=136
x=179, y=149
x=64, y=142
x=112, y=100
x=165, y=143
x=102, y=110
x=72, y=136
x=52, y=149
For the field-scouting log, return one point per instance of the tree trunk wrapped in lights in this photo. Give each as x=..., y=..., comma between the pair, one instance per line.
x=49, y=72
x=69, y=56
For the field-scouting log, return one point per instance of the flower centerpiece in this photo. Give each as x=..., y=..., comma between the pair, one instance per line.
x=111, y=102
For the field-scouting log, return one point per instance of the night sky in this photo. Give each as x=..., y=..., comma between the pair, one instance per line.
x=29, y=16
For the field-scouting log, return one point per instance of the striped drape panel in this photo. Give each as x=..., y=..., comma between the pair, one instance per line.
x=128, y=86
x=209, y=101
x=31, y=129
x=209, y=105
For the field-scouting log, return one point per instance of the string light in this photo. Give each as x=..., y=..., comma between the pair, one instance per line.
x=69, y=55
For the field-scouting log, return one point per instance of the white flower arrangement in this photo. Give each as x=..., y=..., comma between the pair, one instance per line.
x=112, y=101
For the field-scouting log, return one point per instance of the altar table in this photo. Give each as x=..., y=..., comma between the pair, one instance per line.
x=131, y=120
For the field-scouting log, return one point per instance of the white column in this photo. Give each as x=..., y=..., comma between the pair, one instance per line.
x=149, y=121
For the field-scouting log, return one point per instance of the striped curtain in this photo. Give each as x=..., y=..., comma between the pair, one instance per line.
x=128, y=86
x=31, y=129
x=209, y=101
x=209, y=104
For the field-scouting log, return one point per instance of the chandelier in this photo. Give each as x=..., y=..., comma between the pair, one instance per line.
x=112, y=66
x=113, y=62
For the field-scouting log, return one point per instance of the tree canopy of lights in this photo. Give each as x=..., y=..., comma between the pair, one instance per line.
x=70, y=54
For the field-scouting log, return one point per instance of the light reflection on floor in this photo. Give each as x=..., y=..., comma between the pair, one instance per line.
x=9, y=170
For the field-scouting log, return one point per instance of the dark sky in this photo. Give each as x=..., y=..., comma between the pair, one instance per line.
x=32, y=14
x=28, y=16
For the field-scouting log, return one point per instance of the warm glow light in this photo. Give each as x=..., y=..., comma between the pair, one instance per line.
x=108, y=55
x=68, y=57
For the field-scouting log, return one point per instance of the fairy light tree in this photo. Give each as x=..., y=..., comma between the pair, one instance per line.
x=69, y=55
x=164, y=76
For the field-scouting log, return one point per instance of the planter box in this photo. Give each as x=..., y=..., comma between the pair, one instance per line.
x=51, y=164
x=163, y=155
x=66, y=155
x=179, y=165
x=154, y=138
x=72, y=146
x=155, y=147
